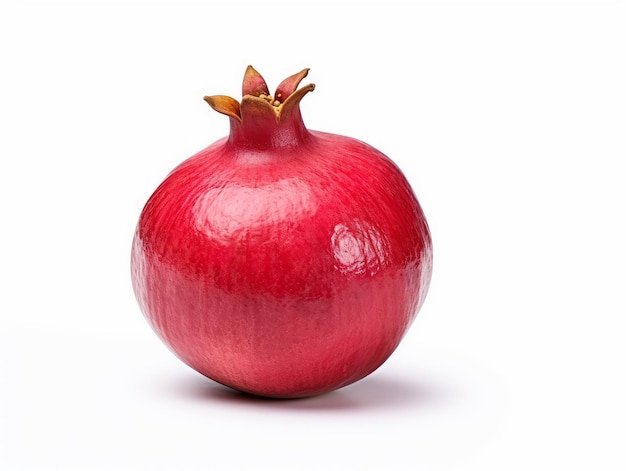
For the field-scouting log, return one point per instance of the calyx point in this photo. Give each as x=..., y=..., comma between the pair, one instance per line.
x=257, y=98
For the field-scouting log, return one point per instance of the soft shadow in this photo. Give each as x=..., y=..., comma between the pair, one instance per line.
x=377, y=391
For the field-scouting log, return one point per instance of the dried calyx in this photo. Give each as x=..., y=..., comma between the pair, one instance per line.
x=258, y=100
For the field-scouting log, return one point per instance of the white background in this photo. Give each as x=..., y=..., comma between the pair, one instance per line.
x=510, y=123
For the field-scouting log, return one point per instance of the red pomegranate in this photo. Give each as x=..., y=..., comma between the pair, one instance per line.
x=281, y=261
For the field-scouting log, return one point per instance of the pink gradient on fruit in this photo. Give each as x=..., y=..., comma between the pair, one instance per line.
x=280, y=261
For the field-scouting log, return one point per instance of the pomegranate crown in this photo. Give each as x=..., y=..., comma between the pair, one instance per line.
x=257, y=100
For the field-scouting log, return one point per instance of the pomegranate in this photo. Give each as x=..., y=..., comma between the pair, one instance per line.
x=281, y=261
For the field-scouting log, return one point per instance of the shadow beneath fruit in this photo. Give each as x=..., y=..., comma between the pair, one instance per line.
x=373, y=392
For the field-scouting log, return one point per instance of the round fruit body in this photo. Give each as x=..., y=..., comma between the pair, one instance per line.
x=284, y=269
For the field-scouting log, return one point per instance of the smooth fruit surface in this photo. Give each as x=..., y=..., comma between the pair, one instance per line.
x=280, y=261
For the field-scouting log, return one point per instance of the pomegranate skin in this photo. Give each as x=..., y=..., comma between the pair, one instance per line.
x=285, y=268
